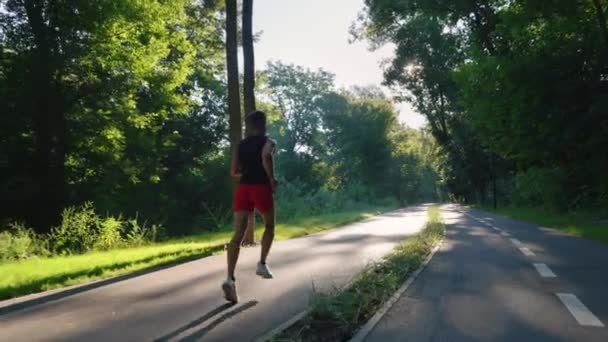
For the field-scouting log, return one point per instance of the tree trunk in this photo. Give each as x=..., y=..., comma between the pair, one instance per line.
x=49, y=124
x=232, y=67
x=249, y=89
x=249, y=57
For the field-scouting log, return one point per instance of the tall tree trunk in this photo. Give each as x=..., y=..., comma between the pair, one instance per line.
x=249, y=89
x=49, y=123
x=232, y=67
x=249, y=57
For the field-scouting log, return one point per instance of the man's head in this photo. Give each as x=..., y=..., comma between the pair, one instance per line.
x=256, y=122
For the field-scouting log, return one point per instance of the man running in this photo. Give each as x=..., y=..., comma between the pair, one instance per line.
x=253, y=162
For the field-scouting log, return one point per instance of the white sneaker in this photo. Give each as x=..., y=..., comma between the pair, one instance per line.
x=229, y=287
x=263, y=271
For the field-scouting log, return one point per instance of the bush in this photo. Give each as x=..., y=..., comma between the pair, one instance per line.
x=19, y=242
x=109, y=234
x=540, y=187
x=82, y=230
x=78, y=231
x=294, y=201
x=137, y=235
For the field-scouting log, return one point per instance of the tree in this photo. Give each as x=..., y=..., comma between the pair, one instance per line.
x=92, y=84
x=232, y=67
x=357, y=138
x=249, y=89
x=295, y=92
x=249, y=57
x=430, y=47
x=505, y=84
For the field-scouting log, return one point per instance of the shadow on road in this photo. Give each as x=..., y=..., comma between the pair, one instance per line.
x=199, y=334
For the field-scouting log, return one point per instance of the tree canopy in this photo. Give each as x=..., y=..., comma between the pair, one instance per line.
x=516, y=84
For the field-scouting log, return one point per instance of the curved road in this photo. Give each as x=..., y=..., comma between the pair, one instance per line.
x=184, y=303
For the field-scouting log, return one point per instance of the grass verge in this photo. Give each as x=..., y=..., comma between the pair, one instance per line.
x=41, y=274
x=336, y=315
x=585, y=224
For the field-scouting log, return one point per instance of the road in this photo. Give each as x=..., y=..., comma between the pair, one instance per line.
x=183, y=303
x=496, y=279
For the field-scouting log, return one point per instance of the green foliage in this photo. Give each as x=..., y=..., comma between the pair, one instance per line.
x=107, y=100
x=294, y=200
x=19, y=242
x=540, y=187
x=123, y=104
x=82, y=230
x=507, y=87
x=77, y=232
x=357, y=138
x=296, y=92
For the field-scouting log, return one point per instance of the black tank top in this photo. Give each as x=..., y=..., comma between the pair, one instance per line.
x=250, y=159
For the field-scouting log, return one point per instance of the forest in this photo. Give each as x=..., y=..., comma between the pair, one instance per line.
x=115, y=114
x=115, y=123
x=515, y=93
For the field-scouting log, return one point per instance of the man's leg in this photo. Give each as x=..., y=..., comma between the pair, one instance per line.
x=234, y=247
x=249, y=239
x=268, y=234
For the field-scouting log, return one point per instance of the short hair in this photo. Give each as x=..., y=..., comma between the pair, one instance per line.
x=256, y=120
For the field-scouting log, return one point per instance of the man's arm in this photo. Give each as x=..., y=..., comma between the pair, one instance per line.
x=234, y=165
x=268, y=162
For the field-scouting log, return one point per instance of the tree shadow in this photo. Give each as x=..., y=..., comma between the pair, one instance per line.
x=199, y=334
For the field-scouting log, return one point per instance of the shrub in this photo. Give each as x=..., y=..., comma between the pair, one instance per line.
x=109, y=234
x=19, y=242
x=82, y=230
x=293, y=200
x=540, y=187
x=137, y=235
x=78, y=230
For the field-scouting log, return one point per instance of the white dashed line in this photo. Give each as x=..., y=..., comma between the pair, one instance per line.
x=526, y=251
x=517, y=242
x=544, y=271
x=580, y=312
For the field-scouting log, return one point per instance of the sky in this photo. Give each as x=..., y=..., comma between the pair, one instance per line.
x=315, y=34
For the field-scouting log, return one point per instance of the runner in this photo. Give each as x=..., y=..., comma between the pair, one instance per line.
x=253, y=163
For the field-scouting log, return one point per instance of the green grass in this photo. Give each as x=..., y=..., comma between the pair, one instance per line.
x=40, y=274
x=584, y=224
x=336, y=315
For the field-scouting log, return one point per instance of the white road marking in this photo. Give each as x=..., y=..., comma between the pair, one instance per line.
x=517, y=242
x=580, y=312
x=544, y=271
x=526, y=251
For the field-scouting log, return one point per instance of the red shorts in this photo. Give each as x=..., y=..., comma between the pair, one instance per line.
x=250, y=196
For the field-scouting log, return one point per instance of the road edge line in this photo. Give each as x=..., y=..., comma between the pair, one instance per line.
x=372, y=322
x=295, y=319
x=283, y=326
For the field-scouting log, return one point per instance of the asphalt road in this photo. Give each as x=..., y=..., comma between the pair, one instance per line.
x=184, y=303
x=496, y=279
